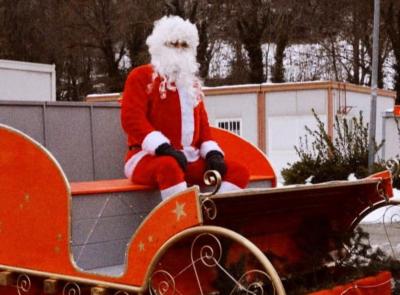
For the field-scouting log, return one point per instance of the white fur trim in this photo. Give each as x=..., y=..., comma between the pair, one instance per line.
x=172, y=190
x=191, y=153
x=131, y=164
x=152, y=141
x=187, y=117
x=227, y=186
x=208, y=146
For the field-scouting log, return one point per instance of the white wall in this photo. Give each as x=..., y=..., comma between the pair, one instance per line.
x=287, y=115
x=391, y=147
x=362, y=102
x=232, y=106
x=27, y=81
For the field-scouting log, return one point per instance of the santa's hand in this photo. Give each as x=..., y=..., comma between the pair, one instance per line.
x=167, y=150
x=215, y=161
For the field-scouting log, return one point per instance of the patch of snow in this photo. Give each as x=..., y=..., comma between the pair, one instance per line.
x=125, y=61
x=302, y=62
x=309, y=179
x=232, y=86
x=351, y=177
x=103, y=95
x=386, y=214
x=222, y=57
x=238, y=86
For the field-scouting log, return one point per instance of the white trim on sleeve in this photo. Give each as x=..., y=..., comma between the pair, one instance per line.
x=152, y=141
x=208, y=146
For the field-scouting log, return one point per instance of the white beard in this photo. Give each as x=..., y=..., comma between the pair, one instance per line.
x=177, y=66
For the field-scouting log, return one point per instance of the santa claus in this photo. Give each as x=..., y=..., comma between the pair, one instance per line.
x=163, y=114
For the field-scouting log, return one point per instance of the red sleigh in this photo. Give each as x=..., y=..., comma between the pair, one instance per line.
x=114, y=237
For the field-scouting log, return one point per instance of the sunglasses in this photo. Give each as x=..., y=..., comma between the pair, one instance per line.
x=177, y=44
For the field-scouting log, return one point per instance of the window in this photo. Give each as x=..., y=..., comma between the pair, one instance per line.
x=232, y=125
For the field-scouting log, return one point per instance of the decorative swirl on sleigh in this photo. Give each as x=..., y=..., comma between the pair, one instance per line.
x=211, y=178
x=71, y=288
x=165, y=283
x=393, y=224
x=23, y=284
x=252, y=282
x=207, y=251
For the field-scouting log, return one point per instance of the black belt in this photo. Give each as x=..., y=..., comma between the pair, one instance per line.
x=132, y=147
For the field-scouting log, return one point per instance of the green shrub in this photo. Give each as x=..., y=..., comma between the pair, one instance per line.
x=326, y=159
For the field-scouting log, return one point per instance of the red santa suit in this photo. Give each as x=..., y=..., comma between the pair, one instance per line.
x=153, y=114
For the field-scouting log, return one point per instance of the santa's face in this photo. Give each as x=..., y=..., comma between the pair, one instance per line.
x=176, y=61
x=172, y=46
x=177, y=44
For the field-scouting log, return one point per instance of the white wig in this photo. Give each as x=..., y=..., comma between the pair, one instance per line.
x=172, y=29
x=175, y=65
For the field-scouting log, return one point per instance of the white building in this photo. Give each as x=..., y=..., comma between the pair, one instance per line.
x=273, y=116
x=25, y=81
x=391, y=133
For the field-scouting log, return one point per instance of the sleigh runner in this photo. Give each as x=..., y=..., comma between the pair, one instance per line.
x=115, y=237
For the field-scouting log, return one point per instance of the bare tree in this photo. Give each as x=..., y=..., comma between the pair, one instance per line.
x=344, y=30
x=94, y=43
x=259, y=22
x=139, y=17
x=284, y=19
x=22, y=28
x=98, y=25
x=251, y=22
x=360, y=29
x=34, y=31
x=391, y=15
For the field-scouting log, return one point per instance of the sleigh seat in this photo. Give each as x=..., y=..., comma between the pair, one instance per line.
x=106, y=213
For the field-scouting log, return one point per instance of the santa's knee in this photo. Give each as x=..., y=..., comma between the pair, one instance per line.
x=168, y=172
x=236, y=177
x=170, y=177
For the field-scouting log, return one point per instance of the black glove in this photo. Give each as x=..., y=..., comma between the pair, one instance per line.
x=215, y=161
x=166, y=149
